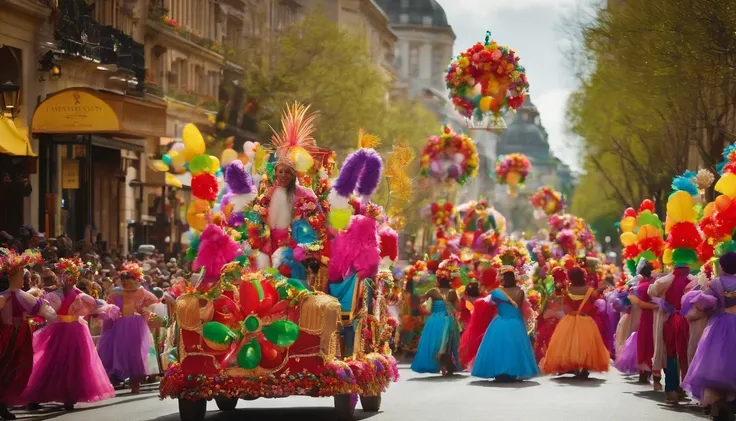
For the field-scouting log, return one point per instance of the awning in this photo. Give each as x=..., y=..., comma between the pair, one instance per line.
x=12, y=141
x=88, y=111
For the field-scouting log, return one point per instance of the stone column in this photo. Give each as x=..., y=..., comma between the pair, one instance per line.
x=425, y=62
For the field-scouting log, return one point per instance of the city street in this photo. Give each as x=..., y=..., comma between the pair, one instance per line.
x=609, y=397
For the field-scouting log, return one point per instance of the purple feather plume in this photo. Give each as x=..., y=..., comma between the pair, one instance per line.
x=236, y=219
x=350, y=173
x=371, y=174
x=238, y=179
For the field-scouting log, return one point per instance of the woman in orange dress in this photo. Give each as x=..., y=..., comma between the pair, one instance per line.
x=577, y=345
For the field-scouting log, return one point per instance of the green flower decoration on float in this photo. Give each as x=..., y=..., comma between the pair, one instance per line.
x=263, y=333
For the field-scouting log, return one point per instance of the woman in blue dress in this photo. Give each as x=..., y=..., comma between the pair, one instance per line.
x=506, y=352
x=438, y=345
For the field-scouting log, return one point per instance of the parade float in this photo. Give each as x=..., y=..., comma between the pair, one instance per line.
x=256, y=319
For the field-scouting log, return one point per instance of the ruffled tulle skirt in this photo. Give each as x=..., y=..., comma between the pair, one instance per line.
x=66, y=367
x=506, y=350
x=713, y=366
x=440, y=339
x=480, y=319
x=124, y=347
x=627, y=360
x=576, y=345
x=16, y=355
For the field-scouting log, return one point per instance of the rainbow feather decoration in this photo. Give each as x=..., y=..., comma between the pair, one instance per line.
x=295, y=143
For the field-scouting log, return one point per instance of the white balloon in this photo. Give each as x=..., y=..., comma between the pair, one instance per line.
x=248, y=146
x=458, y=158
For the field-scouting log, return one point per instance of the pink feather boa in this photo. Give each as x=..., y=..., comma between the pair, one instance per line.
x=216, y=249
x=356, y=250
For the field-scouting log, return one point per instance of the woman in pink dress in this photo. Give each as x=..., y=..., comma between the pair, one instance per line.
x=125, y=342
x=645, y=332
x=16, y=337
x=66, y=367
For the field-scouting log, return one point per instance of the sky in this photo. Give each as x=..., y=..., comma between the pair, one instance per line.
x=535, y=30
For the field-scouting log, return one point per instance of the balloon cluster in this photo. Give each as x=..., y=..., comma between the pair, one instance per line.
x=683, y=236
x=571, y=233
x=512, y=170
x=449, y=156
x=547, y=200
x=486, y=79
x=641, y=234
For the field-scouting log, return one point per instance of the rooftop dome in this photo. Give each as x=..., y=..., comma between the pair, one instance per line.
x=526, y=135
x=414, y=12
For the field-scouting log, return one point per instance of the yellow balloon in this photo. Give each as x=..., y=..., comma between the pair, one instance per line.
x=727, y=185
x=259, y=158
x=513, y=178
x=228, y=155
x=667, y=257
x=177, y=162
x=628, y=238
x=197, y=214
x=302, y=159
x=160, y=166
x=709, y=209
x=647, y=231
x=215, y=164
x=485, y=103
x=628, y=224
x=193, y=141
x=680, y=208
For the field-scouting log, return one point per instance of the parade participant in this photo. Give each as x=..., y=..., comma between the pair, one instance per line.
x=668, y=291
x=480, y=318
x=472, y=293
x=438, y=344
x=506, y=352
x=551, y=315
x=711, y=377
x=645, y=332
x=576, y=345
x=125, y=342
x=16, y=339
x=66, y=367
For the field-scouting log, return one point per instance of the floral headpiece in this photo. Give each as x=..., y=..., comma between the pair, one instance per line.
x=10, y=261
x=70, y=269
x=507, y=269
x=295, y=143
x=131, y=271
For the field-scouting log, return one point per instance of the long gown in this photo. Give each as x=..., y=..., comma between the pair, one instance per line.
x=16, y=342
x=125, y=343
x=645, y=335
x=66, y=367
x=577, y=343
x=546, y=325
x=440, y=339
x=481, y=316
x=712, y=373
x=506, y=348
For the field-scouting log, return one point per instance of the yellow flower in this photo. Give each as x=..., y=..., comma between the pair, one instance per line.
x=221, y=125
x=211, y=119
x=463, y=62
x=515, y=75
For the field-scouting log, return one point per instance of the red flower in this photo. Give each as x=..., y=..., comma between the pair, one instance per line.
x=204, y=186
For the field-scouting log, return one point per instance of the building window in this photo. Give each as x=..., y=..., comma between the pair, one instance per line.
x=426, y=20
x=404, y=18
x=414, y=62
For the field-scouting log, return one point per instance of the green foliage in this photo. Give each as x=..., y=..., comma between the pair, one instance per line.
x=657, y=90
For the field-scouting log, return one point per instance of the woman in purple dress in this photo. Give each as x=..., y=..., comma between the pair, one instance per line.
x=712, y=374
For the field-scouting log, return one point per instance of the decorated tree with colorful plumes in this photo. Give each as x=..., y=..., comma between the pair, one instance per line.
x=683, y=236
x=512, y=170
x=486, y=79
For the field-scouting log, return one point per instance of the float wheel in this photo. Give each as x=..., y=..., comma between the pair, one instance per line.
x=226, y=404
x=345, y=407
x=192, y=410
x=370, y=403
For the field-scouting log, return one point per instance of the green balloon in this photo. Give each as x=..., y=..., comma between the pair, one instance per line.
x=200, y=163
x=252, y=323
x=648, y=255
x=281, y=333
x=249, y=355
x=684, y=257
x=218, y=333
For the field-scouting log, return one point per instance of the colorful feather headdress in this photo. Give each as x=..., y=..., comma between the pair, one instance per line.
x=506, y=269
x=10, y=261
x=70, y=268
x=295, y=143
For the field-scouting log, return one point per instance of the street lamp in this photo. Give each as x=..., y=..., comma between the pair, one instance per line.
x=10, y=95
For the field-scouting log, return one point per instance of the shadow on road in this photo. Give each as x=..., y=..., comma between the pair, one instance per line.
x=274, y=414
x=576, y=381
x=439, y=379
x=505, y=385
x=684, y=407
x=49, y=412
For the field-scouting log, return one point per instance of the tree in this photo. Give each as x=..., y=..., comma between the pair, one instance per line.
x=657, y=87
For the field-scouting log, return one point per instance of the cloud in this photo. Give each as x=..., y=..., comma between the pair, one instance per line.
x=482, y=7
x=552, y=106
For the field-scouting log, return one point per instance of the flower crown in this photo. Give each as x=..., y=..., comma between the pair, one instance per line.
x=70, y=268
x=131, y=271
x=10, y=261
x=506, y=269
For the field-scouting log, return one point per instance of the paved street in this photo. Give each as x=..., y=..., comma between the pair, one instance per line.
x=610, y=397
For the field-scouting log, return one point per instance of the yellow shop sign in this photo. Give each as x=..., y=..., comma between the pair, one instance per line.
x=75, y=111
